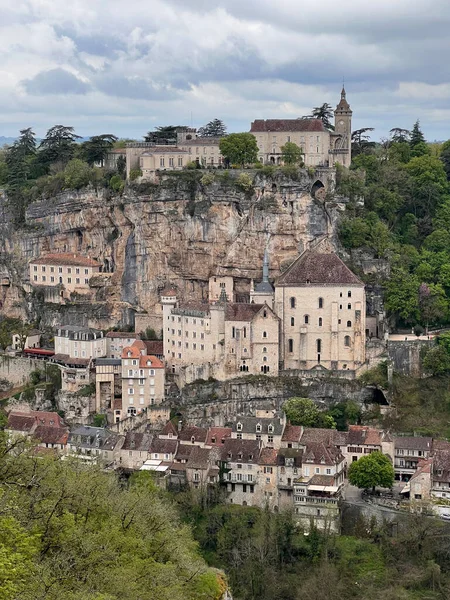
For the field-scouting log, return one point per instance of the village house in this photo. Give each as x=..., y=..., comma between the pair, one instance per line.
x=217, y=436
x=196, y=436
x=269, y=431
x=240, y=466
x=25, y=422
x=30, y=339
x=76, y=373
x=94, y=443
x=440, y=471
x=80, y=342
x=362, y=440
x=116, y=341
x=108, y=385
x=135, y=450
x=408, y=452
x=71, y=272
x=143, y=379
x=266, y=492
x=289, y=468
x=419, y=486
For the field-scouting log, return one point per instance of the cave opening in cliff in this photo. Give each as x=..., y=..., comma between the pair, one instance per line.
x=317, y=185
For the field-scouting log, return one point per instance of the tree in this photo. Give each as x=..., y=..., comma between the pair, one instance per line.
x=445, y=157
x=291, y=153
x=303, y=411
x=361, y=141
x=97, y=147
x=436, y=361
x=215, y=128
x=121, y=166
x=400, y=135
x=58, y=146
x=77, y=174
x=417, y=136
x=401, y=295
x=166, y=134
x=433, y=304
x=239, y=148
x=371, y=471
x=324, y=113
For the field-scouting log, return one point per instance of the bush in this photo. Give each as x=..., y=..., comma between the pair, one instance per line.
x=116, y=183
x=87, y=390
x=134, y=174
x=77, y=174
x=36, y=377
x=244, y=182
x=207, y=179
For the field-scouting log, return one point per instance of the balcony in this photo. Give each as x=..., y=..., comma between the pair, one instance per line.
x=305, y=500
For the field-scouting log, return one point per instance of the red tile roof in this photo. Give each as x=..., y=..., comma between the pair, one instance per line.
x=135, y=351
x=154, y=346
x=313, y=268
x=198, y=433
x=240, y=311
x=362, y=435
x=65, y=258
x=268, y=456
x=163, y=446
x=261, y=125
x=51, y=435
x=249, y=450
x=292, y=433
x=320, y=453
x=219, y=435
x=21, y=422
x=169, y=427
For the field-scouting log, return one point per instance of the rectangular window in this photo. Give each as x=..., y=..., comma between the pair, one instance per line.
x=270, y=439
x=77, y=271
x=202, y=346
x=35, y=268
x=35, y=278
x=86, y=271
x=171, y=162
x=59, y=269
x=43, y=269
x=86, y=281
x=77, y=280
x=52, y=279
x=69, y=270
x=180, y=161
x=349, y=306
x=161, y=162
x=69, y=280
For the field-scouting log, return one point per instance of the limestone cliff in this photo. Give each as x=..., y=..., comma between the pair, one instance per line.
x=178, y=232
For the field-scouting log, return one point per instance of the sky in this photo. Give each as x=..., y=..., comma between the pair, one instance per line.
x=110, y=66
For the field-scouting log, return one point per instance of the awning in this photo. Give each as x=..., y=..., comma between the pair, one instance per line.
x=323, y=488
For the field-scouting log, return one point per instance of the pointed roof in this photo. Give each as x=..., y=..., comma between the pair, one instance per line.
x=313, y=268
x=265, y=286
x=343, y=104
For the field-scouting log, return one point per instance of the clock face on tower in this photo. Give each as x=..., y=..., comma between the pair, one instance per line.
x=341, y=122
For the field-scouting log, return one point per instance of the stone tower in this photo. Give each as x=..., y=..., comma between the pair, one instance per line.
x=341, y=138
x=263, y=292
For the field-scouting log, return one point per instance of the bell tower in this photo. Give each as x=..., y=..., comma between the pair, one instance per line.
x=343, y=127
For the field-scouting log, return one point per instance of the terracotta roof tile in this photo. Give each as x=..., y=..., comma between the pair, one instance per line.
x=249, y=450
x=268, y=456
x=21, y=422
x=240, y=311
x=324, y=480
x=65, y=258
x=164, y=446
x=217, y=435
x=169, y=427
x=292, y=433
x=198, y=433
x=319, y=453
x=363, y=435
x=51, y=435
x=261, y=125
x=313, y=268
x=154, y=347
x=65, y=359
x=137, y=441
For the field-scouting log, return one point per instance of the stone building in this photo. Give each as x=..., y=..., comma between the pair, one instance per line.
x=143, y=379
x=320, y=146
x=408, y=452
x=162, y=158
x=322, y=307
x=108, y=385
x=116, y=341
x=71, y=272
x=79, y=342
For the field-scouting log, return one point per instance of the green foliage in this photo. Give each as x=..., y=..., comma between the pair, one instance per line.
x=97, y=147
x=324, y=113
x=303, y=411
x=99, y=420
x=207, y=179
x=58, y=146
x=36, y=377
x=240, y=148
x=291, y=153
x=244, y=182
x=215, y=128
x=134, y=174
x=371, y=471
x=77, y=174
x=345, y=414
x=70, y=530
x=376, y=376
x=116, y=183
x=87, y=390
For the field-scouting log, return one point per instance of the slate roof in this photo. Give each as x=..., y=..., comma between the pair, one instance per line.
x=441, y=462
x=184, y=452
x=65, y=258
x=198, y=433
x=313, y=268
x=249, y=425
x=164, y=150
x=325, y=480
x=218, y=434
x=413, y=443
x=261, y=125
x=65, y=359
x=363, y=435
x=192, y=306
x=202, y=141
x=137, y=441
x=286, y=453
x=199, y=458
x=93, y=437
x=123, y=335
x=248, y=449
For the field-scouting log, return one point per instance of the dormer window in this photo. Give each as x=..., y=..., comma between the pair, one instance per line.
x=258, y=428
x=270, y=429
x=193, y=439
x=239, y=426
x=229, y=455
x=128, y=354
x=240, y=456
x=148, y=363
x=213, y=440
x=250, y=457
x=170, y=435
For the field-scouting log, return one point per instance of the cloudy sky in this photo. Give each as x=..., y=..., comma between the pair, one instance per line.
x=111, y=66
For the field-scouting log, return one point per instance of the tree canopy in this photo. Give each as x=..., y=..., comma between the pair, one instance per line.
x=291, y=153
x=324, y=113
x=239, y=148
x=303, y=411
x=371, y=471
x=215, y=128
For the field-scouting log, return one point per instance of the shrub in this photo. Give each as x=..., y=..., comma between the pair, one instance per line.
x=134, y=174
x=207, y=179
x=244, y=182
x=116, y=183
x=77, y=174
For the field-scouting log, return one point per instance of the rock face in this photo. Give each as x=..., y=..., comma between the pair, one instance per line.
x=176, y=233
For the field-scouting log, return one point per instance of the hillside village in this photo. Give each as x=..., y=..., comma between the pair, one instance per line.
x=313, y=321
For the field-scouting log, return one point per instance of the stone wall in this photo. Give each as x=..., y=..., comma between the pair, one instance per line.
x=406, y=355
x=17, y=369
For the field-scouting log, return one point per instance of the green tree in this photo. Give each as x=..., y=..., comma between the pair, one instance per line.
x=433, y=304
x=239, y=148
x=291, y=153
x=18, y=550
x=417, y=136
x=324, y=113
x=371, y=471
x=121, y=166
x=445, y=157
x=215, y=128
x=58, y=146
x=166, y=134
x=401, y=295
x=116, y=183
x=399, y=135
x=77, y=174
x=303, y=411
x=97, y=147
x=361, y=141
x=436, y=361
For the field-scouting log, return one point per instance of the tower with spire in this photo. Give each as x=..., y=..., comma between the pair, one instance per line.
x=340, y=141
x=263, y=292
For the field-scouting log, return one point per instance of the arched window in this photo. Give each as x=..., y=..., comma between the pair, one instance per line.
x=264, y=334
x=264, y=358
x=349, y=323
x=320, y=302
x=320, y=321
x=292, y=302
x=265, y=314
x=306, y=319
x=264, y=349
x=291, y=345
x=319, y=346
x=349, y=306
x=292, y=321
x=347, y=341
